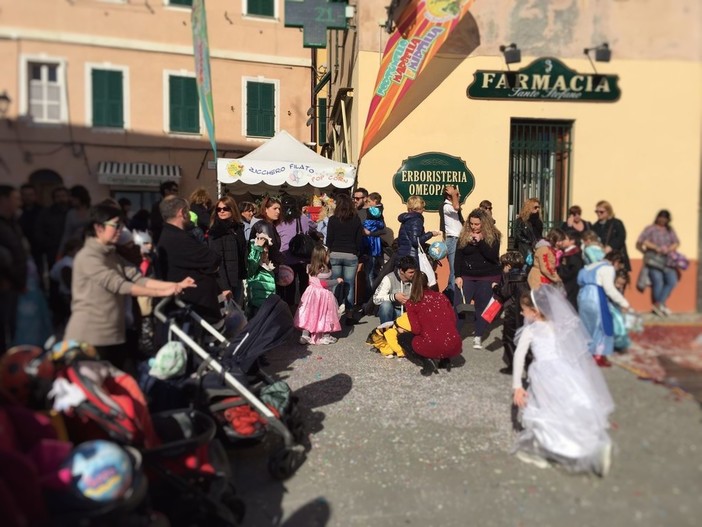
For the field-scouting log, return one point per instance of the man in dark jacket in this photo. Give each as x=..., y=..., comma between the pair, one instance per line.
x=49, y=226
x=13, y=264
x=31, y=209
x=167, y=188
x=180, y=255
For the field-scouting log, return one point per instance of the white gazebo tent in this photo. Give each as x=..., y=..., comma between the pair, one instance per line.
x=283, y=163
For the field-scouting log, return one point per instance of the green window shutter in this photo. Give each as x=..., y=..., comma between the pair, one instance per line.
x=260, y=109
x=321, y=120
x=184, y=107
x=260, y=8
x=108, y=99
x=181, y=2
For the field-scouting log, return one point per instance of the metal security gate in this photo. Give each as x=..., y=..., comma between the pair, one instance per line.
x=539, y=167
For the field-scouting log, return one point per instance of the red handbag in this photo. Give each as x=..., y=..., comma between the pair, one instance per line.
x=492, y=310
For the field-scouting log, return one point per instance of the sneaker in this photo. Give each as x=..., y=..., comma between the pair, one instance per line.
x=665, y=310
x=477, y=343
x=342, y=309
x=327, y=339
x=531, y=459
x=605, y=460
x=305, y=338
x=657, y=310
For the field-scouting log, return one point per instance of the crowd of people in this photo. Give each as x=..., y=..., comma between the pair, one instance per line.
x=104, y=265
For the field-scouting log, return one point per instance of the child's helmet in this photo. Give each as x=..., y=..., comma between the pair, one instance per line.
x=141, y=238
x=438, y=250
x=99, y=470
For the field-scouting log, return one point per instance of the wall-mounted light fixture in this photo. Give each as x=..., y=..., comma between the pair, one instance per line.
x=511, y=53
x=602, y=54
x=5, y=102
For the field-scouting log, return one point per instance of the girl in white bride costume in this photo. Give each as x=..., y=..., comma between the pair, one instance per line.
x=566, y=408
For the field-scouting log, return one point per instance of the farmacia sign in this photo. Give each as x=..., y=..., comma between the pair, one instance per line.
x=545, y=79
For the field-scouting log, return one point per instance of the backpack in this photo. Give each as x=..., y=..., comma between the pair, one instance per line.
x=301, y=245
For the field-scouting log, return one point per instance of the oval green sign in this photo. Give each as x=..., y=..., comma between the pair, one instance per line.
x=427, y=175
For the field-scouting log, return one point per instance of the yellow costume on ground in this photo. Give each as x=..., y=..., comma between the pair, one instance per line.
x=384, y=337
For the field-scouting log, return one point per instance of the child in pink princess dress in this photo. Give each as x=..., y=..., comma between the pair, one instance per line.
x=318, y=313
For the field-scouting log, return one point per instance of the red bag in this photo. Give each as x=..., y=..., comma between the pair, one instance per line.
x=492, y=310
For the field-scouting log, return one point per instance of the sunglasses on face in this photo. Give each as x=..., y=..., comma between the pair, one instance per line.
x=487, y=208
x=224, y=209
x=600, y=211
x=113, y=224
x=358, y=198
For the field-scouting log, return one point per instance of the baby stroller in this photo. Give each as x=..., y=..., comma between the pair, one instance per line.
x=244, y=400
x=180, y=455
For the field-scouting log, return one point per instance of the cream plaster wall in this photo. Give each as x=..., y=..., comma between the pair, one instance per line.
x=641, y=153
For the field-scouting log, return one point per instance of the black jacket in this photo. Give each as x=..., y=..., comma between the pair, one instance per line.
x=227, y=240
x=511, y=288
x=613, y=233
x=524, y=237
x=345, y=236
x=411, y=233
x=568, y=269
x=48, y=230
x=179, y=256
x=479, y=259
x=13, y=257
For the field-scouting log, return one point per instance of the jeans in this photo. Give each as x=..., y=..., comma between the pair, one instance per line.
x=388, y=311
x=662, y=283
x=451, y=242
x=345, y=268
x=480, y=292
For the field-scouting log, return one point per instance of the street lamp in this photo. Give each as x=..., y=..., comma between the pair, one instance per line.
x=511, y=53
x=602, y=54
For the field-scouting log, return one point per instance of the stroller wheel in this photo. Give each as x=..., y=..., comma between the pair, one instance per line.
x=285, y=462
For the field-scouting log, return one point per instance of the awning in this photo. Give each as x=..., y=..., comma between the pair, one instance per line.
x=136, y=174
x=283, y=160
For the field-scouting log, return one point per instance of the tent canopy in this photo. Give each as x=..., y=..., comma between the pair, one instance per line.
x=283, y=160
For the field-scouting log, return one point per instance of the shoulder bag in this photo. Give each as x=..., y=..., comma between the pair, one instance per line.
x=655, y=260
x=302, y=244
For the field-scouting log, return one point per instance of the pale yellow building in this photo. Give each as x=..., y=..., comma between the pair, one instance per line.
x=641, y=151
x=103, y=91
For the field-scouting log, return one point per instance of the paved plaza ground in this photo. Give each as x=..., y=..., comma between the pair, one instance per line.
x=392, y=448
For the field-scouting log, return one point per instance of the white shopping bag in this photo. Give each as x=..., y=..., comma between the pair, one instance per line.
x=424, y=264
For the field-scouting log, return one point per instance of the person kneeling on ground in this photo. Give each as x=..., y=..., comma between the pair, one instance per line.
x=394, y=289
x=434, y=335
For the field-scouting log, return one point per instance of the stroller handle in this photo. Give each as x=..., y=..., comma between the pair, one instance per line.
x=161, y=316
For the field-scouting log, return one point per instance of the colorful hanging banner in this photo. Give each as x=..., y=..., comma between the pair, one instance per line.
x=201, y=48
x=421, y=30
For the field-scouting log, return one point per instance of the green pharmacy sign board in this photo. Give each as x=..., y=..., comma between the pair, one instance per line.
x=427, y=175
x=545, y=79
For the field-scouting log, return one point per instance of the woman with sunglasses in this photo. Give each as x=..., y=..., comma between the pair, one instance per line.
x=575, y=220
x=611, y=231
x=101, y=280
x=528, y=229
x=226, y=238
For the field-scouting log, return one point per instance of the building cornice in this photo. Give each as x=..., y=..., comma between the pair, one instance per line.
x=80, y=39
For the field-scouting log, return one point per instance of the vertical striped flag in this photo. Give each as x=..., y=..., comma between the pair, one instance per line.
x=423, y=27
x=201, y=48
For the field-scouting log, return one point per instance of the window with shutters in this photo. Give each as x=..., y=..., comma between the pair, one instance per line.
x=261, y=97
x=44, y=99
x=265, y=8
x=184, y=3
x=107, y=98
x=183, y=108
